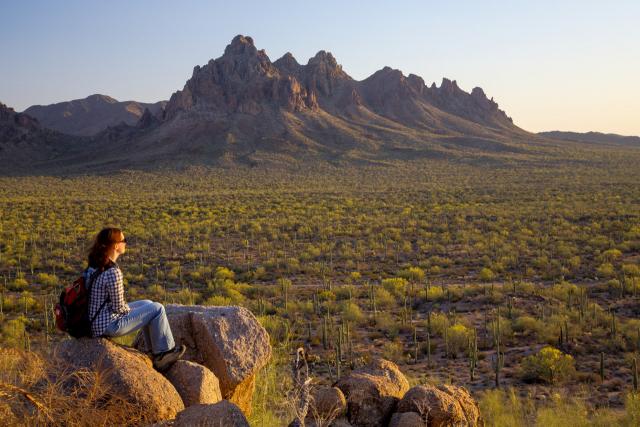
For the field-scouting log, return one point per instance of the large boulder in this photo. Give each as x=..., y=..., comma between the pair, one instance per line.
x=126, y=371
x=407, y=419
x=327, y=403
x=443, y=405
x=372, y=393
x=227, y=340
x=195, y=383
x=221, y=414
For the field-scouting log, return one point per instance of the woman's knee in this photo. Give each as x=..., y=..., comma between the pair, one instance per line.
x=140, y=303
x=158, y=307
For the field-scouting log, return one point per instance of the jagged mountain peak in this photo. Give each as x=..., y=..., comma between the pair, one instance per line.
x=323, y=57
x=448, y=85
x=478, y=92
x=388, y=71
x=288, y=64
x=240, y=45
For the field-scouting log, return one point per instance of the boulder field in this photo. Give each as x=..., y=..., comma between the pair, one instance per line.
x=213, y=385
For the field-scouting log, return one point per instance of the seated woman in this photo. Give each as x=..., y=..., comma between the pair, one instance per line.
x=112, y=315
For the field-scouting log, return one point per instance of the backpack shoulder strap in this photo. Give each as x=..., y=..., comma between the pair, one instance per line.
x=94, y=276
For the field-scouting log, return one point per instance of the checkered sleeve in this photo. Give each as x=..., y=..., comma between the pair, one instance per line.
x=115, y=290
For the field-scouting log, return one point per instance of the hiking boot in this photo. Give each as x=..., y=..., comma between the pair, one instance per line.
x=163, y=361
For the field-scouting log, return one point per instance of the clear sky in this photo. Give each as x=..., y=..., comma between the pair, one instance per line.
x=568, y=65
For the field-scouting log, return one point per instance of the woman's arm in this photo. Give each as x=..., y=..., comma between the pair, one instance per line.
x=115, y=290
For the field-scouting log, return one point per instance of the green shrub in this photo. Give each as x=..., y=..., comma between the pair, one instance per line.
x=384, y=299
x=561, y=410
x=277, y=328
x=458, y=338
x=392, y=351
x=344, y=292
x=486, y=275
x=223, y=273
x=19, y=284
x=12, y=332
x=47, y=280
x=351, y=312
x=436, y=293
x=414, y=274
x=606, y=270
x=184, y=296
x=549, y=365
x=439, y=322
x=562, y=290
x=631, y=270
x=501, y=408
x=396, y=286
x=217, y=300
x=528, y=325
x=387, y=324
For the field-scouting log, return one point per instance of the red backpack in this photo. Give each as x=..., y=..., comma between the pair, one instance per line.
x=72, y=312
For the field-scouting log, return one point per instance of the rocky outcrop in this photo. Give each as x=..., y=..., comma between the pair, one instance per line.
x=227, y=340
x=221, y=414
x=25, y=144
x=442, y=406
x=379, y=395
x=474, y=106
x=243, y=80
x=372, y=393
x=195, y=383
x=128, y=372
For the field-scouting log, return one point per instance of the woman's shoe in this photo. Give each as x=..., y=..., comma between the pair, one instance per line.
x=163, y=361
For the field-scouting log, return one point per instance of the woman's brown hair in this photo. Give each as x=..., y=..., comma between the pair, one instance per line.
x=98, y=254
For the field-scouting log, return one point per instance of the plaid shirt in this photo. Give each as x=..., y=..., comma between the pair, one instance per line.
x=107, y=287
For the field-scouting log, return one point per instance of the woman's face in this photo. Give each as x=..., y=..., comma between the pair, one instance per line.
x=121, y=245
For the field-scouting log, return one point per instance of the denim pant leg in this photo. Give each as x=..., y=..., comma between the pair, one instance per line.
x=145, y=328
x=148, y=315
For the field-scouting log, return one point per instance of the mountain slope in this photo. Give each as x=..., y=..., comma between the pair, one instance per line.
x=90, y=115
x=593, y=137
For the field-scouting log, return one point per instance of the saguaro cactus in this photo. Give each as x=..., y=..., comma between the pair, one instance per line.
x=473, y=355
x=635, y=375
x=415, y=344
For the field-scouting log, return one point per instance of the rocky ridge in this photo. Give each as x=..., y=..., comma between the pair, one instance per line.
x=24, y=142
x=88, y=116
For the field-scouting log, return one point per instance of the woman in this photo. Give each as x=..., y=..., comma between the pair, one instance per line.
x=112, y=315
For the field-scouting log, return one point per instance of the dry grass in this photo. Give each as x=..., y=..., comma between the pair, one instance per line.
x=36, y=392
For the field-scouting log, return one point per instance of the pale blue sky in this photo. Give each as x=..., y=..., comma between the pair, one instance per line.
x=569, y=65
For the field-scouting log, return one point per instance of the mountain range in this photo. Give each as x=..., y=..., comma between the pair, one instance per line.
x=593, y=137
x=88, y=116
x=242, y=108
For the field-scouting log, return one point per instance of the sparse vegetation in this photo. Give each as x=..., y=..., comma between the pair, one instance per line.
x=438, y=268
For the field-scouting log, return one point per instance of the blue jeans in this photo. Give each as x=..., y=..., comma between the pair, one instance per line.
x=151, y=317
